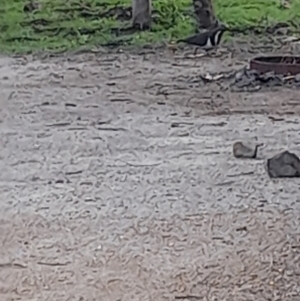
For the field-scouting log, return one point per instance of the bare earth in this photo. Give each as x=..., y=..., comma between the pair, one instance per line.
x=118, y=182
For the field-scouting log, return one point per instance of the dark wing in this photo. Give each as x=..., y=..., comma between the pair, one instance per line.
x=198, y=39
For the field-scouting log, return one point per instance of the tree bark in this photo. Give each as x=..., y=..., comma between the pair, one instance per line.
x=141, y=14
x=204, y=13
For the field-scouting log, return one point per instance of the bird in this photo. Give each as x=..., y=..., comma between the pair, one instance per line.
x=284, y=165
x=206, y=40
x=240, y=150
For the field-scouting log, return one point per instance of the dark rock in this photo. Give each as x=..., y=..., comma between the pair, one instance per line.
x=284, y=165
x=240, y=150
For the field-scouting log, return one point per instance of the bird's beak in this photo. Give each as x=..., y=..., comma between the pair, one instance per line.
x=224, y=27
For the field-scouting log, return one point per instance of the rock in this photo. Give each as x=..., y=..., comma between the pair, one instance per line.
x=241, y=150
x=284, y=165
x=297, y=77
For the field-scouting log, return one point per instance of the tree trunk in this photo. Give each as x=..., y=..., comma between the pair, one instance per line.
x=204, y=13
x=141, y=14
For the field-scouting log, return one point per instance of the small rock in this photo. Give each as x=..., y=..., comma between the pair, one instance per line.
x=284, y=165
x=239, y=75
x=297, y=77
x=240, y=150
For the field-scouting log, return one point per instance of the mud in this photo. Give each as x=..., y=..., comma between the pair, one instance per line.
x=118, y=182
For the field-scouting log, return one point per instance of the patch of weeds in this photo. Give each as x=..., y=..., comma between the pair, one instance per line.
x=58, y=25
x=257, y=13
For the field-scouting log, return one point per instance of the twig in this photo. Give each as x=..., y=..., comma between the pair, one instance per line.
x=54, y=264
x=241, y=174
x=11, y=265
x=289, y=77
x=141, y=165
x=111, y=129
x=69, y=173
x=120, y=100
x=59, y=124
x=188, y=297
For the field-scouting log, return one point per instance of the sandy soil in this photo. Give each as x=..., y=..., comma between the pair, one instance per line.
x=118, y=182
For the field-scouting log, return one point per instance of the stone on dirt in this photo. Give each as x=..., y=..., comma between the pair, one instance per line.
x=242, y=150
x=284, y=165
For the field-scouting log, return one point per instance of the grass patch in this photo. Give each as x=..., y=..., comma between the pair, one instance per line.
x=59, y=25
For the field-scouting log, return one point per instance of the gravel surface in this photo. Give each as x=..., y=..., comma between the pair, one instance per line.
x=118, y=182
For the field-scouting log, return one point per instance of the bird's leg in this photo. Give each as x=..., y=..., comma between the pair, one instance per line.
x=218, y=51
x=195, y=51
x=208, y=53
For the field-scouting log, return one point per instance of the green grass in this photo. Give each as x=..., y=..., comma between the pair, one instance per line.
x=68, y=24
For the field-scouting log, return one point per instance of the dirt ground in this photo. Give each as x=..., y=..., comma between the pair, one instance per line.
x=118, y=182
